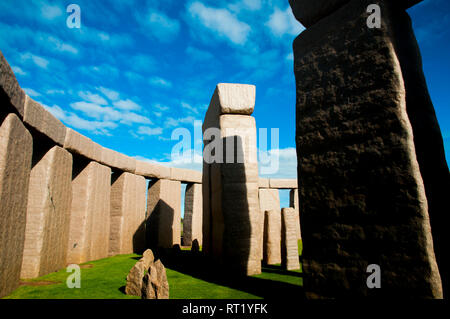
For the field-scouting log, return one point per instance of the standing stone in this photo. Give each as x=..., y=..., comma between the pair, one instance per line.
x=127, y=214
x=90, y=213
x=48, y=214
x=368, y=147
x=155, y=284
x=206, y=218
x=192, y=224
x=289, y=243
x=293, y=202
x=16, y=147
x=272, y=237
x=135, y=279
x=269, y=199
x=164, y=213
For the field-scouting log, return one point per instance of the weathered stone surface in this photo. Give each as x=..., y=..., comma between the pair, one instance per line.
x=289, y=244
x=308, y=12
x=269, y=199
x=117, y=160
x=43, y=121
x=148, y=258
x=362, y=197
x=135, y=279
x=193, y=215
x=185, y=175
x=152, y=170
x=293, y=202
x=16, y=147
x=127, y=214
x=272, y=237
x=90, y=214
x=263, y=183
x=82, y=145
x=48, y=214
x=283, y=183
x=155, y=284
x=206, y=220
x=10, y=91
x=163, y=213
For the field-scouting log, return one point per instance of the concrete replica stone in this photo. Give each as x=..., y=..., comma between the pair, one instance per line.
x=371, y=158
x=48, y=214
x=283, y=183
x=152, y=170
x=10, y=92
x=293, y=202
x=163, y=213
x=136, y=275
x=82, y=145
x=269, y=199
x=43, y=121
x=16, y=147
x=127, y=214
x=230, y=98
x=185, y=175
x=233, y=221
x=264, y=183
x=155, y=284
x=272, y=237
x=117, y=160
x=90, y=213
x=193, y=214
x=289, y=244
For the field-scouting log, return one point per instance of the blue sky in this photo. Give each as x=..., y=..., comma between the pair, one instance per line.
x=136, y=70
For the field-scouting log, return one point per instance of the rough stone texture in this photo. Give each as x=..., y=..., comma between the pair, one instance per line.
x=293, y=202
x=272, y=237
x=48, y=214
x=185, y=175
x=155, y=284
x=193, y=214
x=269, y=199
x=90, y=214
x=163, y=213
x=127, y=214
x=152, y=170
x=10, y=91
x=233, y=221
x=16, y=147
x=308, y=12
x=230, y=98
x=289, y=244
x=283, y=183
x=117, y=160
x=362, y=197
x=136, y=275
x=82, y=145
x=43, y=121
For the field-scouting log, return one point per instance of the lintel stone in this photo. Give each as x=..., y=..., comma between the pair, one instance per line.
x=10, y=86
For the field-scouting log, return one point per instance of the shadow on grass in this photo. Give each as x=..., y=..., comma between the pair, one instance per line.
x=200, y=267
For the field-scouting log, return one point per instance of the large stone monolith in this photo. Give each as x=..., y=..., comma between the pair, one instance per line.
x=16, y=147
x=289, y=242
x=48, y=214
x=269, y=199
x=370, y=156
x=293, y=202
x=192, y=222
x=272, y=237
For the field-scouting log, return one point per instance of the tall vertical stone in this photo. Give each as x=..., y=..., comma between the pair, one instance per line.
x=48, y=214
x=293, y=202
x=269, y=199
x=289, y=243
x=193, y=214
x=372, y=171
x=16, y=147
x=127, y=214
x=164, y=213
x=272, y=237
x=90, y=213
x=234, y=220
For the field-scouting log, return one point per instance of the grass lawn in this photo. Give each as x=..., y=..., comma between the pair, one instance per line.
x=189, y=276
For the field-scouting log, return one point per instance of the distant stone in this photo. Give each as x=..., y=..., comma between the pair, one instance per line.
x=195, y=246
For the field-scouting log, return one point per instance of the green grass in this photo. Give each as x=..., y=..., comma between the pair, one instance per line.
x=189, y=278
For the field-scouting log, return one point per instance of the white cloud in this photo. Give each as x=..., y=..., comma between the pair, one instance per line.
x=290, y=57
x=161, y=107
x=53, y=92
x=91, y=97
x=37, y=60
x=221, y=22
x=158, y=81
x=110, y=94
x=31, y=92
x=145, y=130
x=159, y=25
x=189, y=107
x=171, y=122
x=283, y=22
x=60, y=46
x=287, y=162
x=18, y=70
x=126, y=105
x=50, y=12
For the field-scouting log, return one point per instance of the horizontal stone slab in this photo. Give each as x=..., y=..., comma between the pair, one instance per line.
x=82, y=145
x=117, y=160
x=263, y=183
x=43, y=121
x=185, y=175
x=10, y=87
x=152, y=170
x=283, y=183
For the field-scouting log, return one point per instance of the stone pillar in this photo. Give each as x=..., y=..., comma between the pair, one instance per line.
x=272, y=237
x=193, y=213
x=16, y=147
x=48, y=214
x=90, y=213
x=269, y=199
x=127, y=214
x=293, y=202
x=289, y=243
x=164, y=213
x=372, y=171
x=234, y=221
